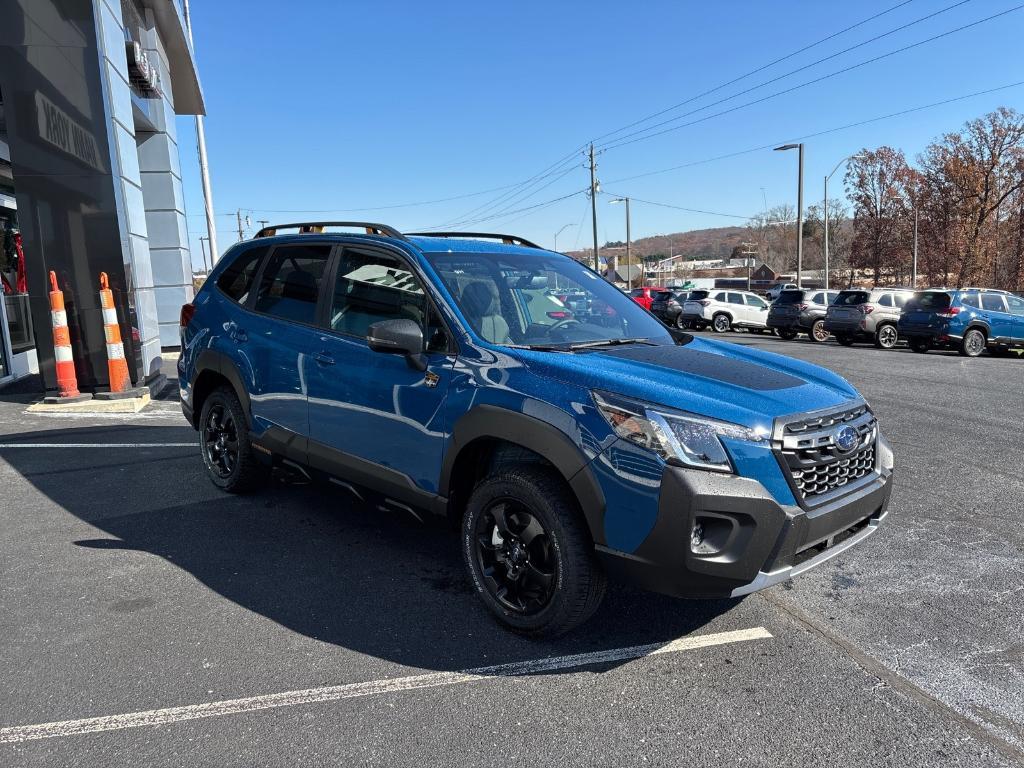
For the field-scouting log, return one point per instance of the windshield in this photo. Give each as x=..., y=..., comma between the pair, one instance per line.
x=790, y=297
x=517, y=300
x=851, y=298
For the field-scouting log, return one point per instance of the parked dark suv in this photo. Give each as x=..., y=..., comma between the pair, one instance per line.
x=430, y=374
x=668, y=307
x=801, y=311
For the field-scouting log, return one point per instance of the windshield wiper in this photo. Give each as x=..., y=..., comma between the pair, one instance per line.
x=609, y=343
x=539, y=347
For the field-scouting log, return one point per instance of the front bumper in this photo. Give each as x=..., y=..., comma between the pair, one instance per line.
x=750, y=540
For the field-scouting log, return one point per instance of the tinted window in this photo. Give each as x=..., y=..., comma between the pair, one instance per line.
x=371, y=287
x=993, y=302
x=663, y=296
x=790, y=297
x=970, y=300
x=735, y=298
x=885, y=300
x=1016, y=304
x=817, y=299
x=697, y=295
x=291, y=282
x=852, y=298
x=930, y=301
x=236, y=281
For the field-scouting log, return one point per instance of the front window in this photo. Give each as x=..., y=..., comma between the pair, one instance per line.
x=515, y=300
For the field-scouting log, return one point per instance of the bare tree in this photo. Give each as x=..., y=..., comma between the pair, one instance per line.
x=879, y=184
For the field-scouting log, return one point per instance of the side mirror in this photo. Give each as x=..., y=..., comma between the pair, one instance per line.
x=398, y=337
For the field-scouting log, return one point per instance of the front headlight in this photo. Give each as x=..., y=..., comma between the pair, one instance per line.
x=688, y=439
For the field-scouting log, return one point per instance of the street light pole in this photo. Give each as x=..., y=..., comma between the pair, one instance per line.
x=799, y=211
x=629, y=280
x=558, y=233
x=824, y=210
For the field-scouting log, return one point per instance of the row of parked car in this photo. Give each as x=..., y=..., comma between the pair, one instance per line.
x=969, y=320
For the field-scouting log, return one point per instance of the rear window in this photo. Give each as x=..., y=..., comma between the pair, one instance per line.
x=663, y=295
x=970, y=300
x=929, y=301
x=697, y=295
x=790, y=297
x=852, y=298
x=236, y=281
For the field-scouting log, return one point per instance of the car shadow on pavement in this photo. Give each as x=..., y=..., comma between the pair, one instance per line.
x=315, y=560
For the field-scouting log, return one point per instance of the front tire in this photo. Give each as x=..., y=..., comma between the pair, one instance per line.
x=721, y=323
x=973, y=343
x=786, y=333
x=886, y=336
x=919, y=345
x=224, y=442
x=528, y=553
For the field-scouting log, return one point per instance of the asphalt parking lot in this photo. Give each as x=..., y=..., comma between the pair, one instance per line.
x=149, y=619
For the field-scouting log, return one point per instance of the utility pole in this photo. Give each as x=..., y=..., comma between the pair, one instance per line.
x=913, y=277
x=238, y=216
x=202, y=246
x=593, y=205
x=204, y=168
x=629, y=281
x=747, y=254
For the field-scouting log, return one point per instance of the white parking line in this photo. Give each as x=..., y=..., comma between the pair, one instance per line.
x=99, y=445
x=21, y=733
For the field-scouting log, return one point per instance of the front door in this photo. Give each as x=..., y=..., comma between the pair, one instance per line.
x=1016, y=306
x=373, y=406
x=278, y=334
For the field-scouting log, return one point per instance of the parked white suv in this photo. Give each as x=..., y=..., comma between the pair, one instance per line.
x=724, y=310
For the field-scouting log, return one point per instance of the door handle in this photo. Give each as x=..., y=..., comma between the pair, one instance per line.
x=323, y=358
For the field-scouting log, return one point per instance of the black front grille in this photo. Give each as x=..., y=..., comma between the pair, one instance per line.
x=816, y=466
x=815, y=474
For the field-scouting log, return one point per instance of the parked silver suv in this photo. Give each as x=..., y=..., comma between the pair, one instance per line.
x=867, y=315
x=724, y=310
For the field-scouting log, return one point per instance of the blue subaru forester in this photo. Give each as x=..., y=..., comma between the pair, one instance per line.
x=443, y=374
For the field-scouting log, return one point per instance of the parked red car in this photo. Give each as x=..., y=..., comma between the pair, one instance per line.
x=644, y=296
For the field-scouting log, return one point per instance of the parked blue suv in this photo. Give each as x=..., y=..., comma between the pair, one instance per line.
x=441, y=373
x=966, y=319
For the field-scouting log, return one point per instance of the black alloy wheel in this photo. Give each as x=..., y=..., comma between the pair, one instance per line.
x=220, y=441
x=515, y=556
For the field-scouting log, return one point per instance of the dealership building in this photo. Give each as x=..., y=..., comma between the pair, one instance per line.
x=90, y=180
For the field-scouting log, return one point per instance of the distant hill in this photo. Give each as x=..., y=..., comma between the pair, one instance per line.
x=716, y=243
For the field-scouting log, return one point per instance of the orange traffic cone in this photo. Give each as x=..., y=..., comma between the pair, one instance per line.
x=117, y=366
x=67, y=381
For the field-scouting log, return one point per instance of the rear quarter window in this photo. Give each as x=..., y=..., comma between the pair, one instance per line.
x=236, y=281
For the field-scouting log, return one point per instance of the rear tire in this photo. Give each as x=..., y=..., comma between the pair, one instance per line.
x=818, y=333
x=721, y=323
x=845, y=339
x=886, y=336
x=786, y=333
x=681, y=324
x=224, y=443
x=528, y=553
x=973, y=343
x=919, y=345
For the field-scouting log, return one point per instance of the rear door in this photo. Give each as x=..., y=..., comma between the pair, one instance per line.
x=278, y=335
x=995, y=312
x=737, y=307
x=1016, y=306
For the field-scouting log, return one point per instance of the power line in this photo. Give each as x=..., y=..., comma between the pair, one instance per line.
x=536, y=206
x=816, y=134
x=817, y=79
x=754, y=71
x=681, y=208
x=783, y=76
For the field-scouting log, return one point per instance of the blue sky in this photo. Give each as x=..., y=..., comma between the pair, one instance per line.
x=341, y=105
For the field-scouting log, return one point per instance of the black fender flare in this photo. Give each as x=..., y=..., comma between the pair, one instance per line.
x=218, y=362
x=544, y=439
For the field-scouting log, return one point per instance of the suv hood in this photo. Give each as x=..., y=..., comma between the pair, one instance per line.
x=715, y=379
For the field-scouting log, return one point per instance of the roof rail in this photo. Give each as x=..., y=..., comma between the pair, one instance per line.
x=316, y=227
x=507, y=239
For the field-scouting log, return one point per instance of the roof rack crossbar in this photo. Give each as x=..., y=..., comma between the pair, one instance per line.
x=316, y=227
x=507, y=239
